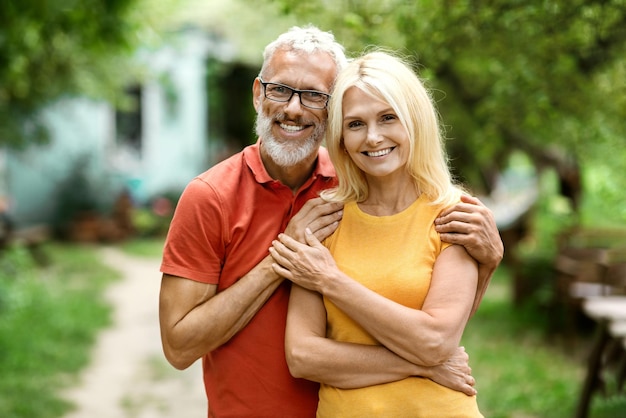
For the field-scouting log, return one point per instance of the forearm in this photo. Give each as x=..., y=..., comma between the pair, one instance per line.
x=211, y=323
x=312, y=355
x=426, y=336
x=351, y=366
x=485, y=272
x=388, y=322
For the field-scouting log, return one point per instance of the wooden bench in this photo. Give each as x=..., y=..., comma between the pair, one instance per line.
x=580, y=274
x=606, y=306
x=607, y=360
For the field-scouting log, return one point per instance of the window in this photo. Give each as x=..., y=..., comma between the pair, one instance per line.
x=128, y=119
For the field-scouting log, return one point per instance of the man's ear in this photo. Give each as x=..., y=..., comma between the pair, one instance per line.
x=257, y=94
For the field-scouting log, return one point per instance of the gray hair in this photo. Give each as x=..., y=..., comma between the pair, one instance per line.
x=308, y=39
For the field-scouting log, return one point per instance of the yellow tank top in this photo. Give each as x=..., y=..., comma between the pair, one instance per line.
x=394, y=256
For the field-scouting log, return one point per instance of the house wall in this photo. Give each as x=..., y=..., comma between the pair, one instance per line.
x=79, y=129
x=176, y=143
x=175, y=147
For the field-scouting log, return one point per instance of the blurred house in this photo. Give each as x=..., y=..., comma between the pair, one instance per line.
x=97, y=153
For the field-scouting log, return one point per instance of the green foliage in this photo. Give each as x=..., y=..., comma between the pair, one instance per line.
x=48, y=321
x=149, y=224
x=153, y=220
x=50, y=49
x=545, y=78
x=604, y=189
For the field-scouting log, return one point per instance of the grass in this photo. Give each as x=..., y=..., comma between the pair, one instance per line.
x=152, y=247
x=49, y=318
x=517, y=373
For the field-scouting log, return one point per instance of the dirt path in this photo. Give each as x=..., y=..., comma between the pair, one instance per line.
x=128, y=376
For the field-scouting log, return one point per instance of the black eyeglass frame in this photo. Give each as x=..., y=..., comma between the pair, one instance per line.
x=294, y=91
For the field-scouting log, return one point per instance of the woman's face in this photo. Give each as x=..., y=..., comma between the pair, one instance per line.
x=373, y=135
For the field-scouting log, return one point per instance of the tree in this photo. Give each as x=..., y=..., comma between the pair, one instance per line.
x=55, y=48
x=542, y=77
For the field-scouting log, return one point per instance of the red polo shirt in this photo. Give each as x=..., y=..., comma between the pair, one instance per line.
x=224, y=223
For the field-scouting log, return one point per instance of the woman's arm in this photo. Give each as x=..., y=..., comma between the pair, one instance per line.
x=312, y=356
x=428, y=336
x=471, y=224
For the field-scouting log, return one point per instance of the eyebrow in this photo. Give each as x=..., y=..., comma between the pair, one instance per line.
x=385, y=111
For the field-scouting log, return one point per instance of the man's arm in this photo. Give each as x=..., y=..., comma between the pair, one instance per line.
x=472, y=225
x=195, y=319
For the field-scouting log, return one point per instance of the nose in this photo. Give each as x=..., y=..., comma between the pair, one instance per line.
x=374, y=137
x=294, y=105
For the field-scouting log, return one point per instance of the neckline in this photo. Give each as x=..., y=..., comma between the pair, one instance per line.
x=400, y=214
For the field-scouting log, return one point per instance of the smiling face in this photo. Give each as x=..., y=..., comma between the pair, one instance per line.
x=373, y=135
x=291, y=132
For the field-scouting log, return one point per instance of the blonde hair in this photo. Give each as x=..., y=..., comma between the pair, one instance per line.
x=391, y=79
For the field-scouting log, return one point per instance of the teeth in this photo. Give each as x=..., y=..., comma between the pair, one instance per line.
x=291, y=128
x=379, y=153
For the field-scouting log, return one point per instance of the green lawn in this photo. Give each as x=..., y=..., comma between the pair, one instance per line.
x=49, y=318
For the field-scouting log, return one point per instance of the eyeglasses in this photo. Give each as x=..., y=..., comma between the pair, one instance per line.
x=308, y=98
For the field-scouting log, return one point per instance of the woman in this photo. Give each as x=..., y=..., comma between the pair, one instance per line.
x=385, y=143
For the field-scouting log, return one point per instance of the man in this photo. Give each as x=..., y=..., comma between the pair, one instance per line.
x=220, y=298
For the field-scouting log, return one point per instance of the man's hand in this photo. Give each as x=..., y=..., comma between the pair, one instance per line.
x=455, y=373
x=321, y=217
x=472, y=225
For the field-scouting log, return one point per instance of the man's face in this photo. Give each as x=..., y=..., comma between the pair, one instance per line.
x=291, y=132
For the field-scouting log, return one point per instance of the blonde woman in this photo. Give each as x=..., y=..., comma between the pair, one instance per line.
x=385, y=142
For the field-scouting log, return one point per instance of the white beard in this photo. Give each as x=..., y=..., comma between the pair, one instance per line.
x=287, y=153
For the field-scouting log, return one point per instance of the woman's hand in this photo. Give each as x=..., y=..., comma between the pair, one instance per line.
x=308, y=266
